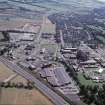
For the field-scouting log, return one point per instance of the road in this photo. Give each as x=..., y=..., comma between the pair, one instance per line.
x=55, y=98
x=37, y=41
x=61, y=37
x=42, y=26
x=89, y=37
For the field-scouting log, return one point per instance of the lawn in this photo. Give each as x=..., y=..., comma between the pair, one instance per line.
x=86, y=82
x=49, y=45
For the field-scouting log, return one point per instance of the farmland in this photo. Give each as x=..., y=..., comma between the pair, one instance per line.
x=4, y=72
x=13, y=96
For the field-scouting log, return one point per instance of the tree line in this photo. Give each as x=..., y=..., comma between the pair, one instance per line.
x=29, y=85
x=93, y=94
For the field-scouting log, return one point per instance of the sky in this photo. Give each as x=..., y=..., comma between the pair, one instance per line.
x=102, y=0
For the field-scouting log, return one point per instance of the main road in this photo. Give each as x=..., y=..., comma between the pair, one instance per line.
x=55, y=98
x=37, y=41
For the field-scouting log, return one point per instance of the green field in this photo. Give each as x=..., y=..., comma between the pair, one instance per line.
x=101, y=39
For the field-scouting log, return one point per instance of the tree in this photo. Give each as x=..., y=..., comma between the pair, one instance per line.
x=82, y=90
x=100, y=98
x=2, y=84
x=6, y=35
x=20, y=85
x=95, y=89
x=13, y=84
x=30, y=85
x=103, y=86
x=81, y=55
x=7, y=84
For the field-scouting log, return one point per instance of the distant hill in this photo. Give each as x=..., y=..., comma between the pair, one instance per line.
x=67, y=5
x=50, y=6
x=62, y=5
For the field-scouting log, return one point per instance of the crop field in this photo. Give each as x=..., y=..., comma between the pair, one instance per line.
x=16, y=23
x=49, y=28
x=13, y=96
x=5, y=72
x=30, y=6
x=18, y=79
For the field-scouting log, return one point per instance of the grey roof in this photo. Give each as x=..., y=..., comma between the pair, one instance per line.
x=56, y=76
x=49, y=72
x=62, y=76
x=53, y=81
x=42, y=73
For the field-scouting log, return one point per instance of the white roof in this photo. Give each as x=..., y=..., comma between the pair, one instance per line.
x=100, y=70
